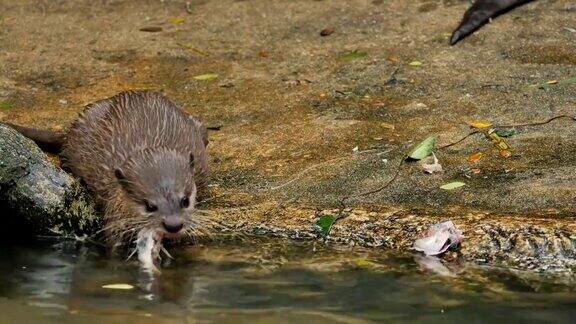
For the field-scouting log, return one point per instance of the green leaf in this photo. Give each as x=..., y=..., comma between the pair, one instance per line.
x=205, y=77
x=325, y=223
x=354, y=55
x=5, y=105
x=423, y=149
x=506, y=132
x=452, y=185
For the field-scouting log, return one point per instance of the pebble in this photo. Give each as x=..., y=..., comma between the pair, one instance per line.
x=327, y=31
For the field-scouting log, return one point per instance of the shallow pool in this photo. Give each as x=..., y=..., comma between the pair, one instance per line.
x=269, y=281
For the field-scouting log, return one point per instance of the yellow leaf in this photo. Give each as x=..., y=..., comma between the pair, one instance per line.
x=363, y=263
x=415, y=63
x=207, y=76
x=474, y=158
x=388, y=126
x=552, y=82
x=176, y=20
x=480, y=124
x=118, y=286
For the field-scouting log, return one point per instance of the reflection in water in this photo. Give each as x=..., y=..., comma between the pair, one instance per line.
x=268, y=281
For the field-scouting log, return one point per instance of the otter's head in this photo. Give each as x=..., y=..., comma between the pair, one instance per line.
x=159, y=185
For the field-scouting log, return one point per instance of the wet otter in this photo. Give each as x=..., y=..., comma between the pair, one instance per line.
x=143, y=157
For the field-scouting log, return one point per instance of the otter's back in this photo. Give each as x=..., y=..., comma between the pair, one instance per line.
x=109, y=131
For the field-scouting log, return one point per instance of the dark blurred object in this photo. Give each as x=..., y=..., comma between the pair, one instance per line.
x=327, y=31
x=152, y=29
x=480, y=13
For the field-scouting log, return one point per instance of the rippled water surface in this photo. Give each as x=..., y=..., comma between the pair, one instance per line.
x=269, y=282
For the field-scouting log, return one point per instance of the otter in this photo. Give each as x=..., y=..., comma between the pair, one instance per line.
x=143, y=158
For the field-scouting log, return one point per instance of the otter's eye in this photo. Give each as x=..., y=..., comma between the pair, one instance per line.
x=150, y=207
x=185, y=202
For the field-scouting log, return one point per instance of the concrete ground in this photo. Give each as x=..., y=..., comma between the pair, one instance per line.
x=292, y=109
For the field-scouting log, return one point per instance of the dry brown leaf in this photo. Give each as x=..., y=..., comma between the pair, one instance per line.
x=475, y=157
x=505, y=153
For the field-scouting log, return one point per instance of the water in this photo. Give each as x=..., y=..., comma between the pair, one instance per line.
x=269, y=282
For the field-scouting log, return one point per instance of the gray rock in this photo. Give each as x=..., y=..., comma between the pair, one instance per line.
x=37, y=197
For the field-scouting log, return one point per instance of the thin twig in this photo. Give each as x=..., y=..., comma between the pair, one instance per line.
x=399, y=167
x=315, y=166
x=509, y=126
x=386, y=185
x=458, y=141
x=538, y=123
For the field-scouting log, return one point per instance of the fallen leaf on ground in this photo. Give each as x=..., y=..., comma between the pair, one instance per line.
x=480, y=124
x=207, y=76
x=505, y=153
x=476, y=171
x=415, y=63
x=393, y=59
x=388, y=126
x=5, y=105
x=506, y=132
x=452, y=185
x=430, y=164
x=118, y=286
x=192, y=48
x=354, y=55
x=263, y=53
x=176, y=20
x=151, y=29
x=498, y=141
x=475, y=157
x=423, y=149
x=438, y=239
x=547, y=84
x=324, y=224
x=327, y=31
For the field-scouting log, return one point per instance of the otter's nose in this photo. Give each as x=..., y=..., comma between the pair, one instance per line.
x=172, y=224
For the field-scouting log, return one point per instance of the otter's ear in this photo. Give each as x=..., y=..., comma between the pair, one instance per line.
x=119, y=175
x=191, y=161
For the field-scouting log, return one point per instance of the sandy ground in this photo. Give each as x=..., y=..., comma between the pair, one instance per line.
x=288, y=103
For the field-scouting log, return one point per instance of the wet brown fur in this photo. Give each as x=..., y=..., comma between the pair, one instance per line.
x=145, y=137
